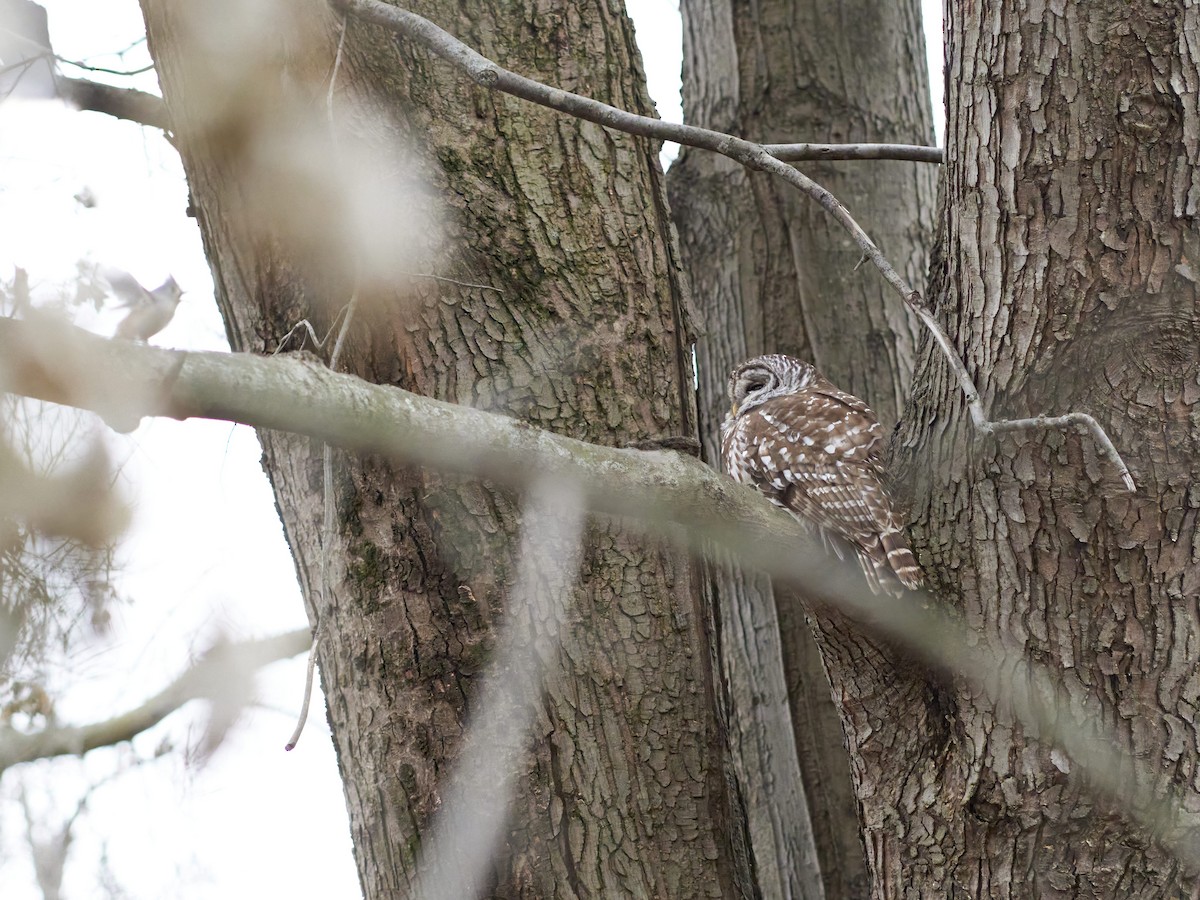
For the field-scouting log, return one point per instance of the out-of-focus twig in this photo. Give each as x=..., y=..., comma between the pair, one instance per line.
x=78, y=504
x=484, y=72
x=203, y=679
x=469, y=826
x=25, y=44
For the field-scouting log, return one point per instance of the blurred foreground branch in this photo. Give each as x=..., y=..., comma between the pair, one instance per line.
x=667, y=493
x=207, y=678
x=78, y=504
x=459, y=850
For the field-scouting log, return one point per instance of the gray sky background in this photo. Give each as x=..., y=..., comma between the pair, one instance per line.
x=205, y=555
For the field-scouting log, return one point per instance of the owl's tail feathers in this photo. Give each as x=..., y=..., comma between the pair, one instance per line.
x=900, y=561
x=875, y=574
x=889, y=561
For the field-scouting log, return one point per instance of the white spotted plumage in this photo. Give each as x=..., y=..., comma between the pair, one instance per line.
x=815, y=451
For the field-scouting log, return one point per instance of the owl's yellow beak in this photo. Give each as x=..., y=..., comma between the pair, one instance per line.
x=733, y=410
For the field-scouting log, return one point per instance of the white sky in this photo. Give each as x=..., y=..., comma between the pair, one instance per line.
x=206, y=554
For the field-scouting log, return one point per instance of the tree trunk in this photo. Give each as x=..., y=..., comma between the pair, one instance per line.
x=772, y=272
x=578, y=328
x=1066, y=275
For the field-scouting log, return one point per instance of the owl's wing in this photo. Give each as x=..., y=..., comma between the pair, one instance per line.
x=818, y=453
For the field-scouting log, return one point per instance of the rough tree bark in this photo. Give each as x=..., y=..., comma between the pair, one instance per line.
x=624, y=792
x=771, y=272
x=1065, y=273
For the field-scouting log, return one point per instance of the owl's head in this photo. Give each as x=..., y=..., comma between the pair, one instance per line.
x=765, y=377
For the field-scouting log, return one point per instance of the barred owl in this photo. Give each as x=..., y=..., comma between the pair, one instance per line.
x=815, y=451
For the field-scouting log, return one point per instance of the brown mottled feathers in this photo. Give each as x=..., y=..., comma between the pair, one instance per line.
x=815, y=451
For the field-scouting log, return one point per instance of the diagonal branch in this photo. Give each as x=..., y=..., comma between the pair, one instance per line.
x=484, y=72
x=1079, y=421
x=203, y=679
x=669, y=494
x=754, y=156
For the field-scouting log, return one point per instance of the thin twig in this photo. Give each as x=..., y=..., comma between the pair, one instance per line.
x=343, y=331
x=906, y=152
x=45, y=51
x=122, y=103
x=753, y=156
x=308, y=685
x=1082, y=422
x=20, y=64
x=337, y=64
x=466, y=284
x=305, y=325
x=1078, y=420
x=82, y=65
x=121, y=53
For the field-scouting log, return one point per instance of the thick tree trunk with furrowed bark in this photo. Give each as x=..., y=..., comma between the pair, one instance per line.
x=773, y=273
x=578, y=327
x=1066, y=276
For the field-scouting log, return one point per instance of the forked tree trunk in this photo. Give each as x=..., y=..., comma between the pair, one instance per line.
x=1067, y=275
x=772, y=272
x=579, y=330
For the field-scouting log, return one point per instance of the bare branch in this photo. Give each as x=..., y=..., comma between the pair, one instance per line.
x=25, y=43
x=78, y=503
x=302, y=718
x=203, y=679
x=484, y=72
x=90, y=68
x=1075, y=420
x=327, y=526
x=123, y=103
x=904, y=152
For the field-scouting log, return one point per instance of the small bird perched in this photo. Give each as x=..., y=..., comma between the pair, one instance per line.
x=149, y=311
x=815, y=451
